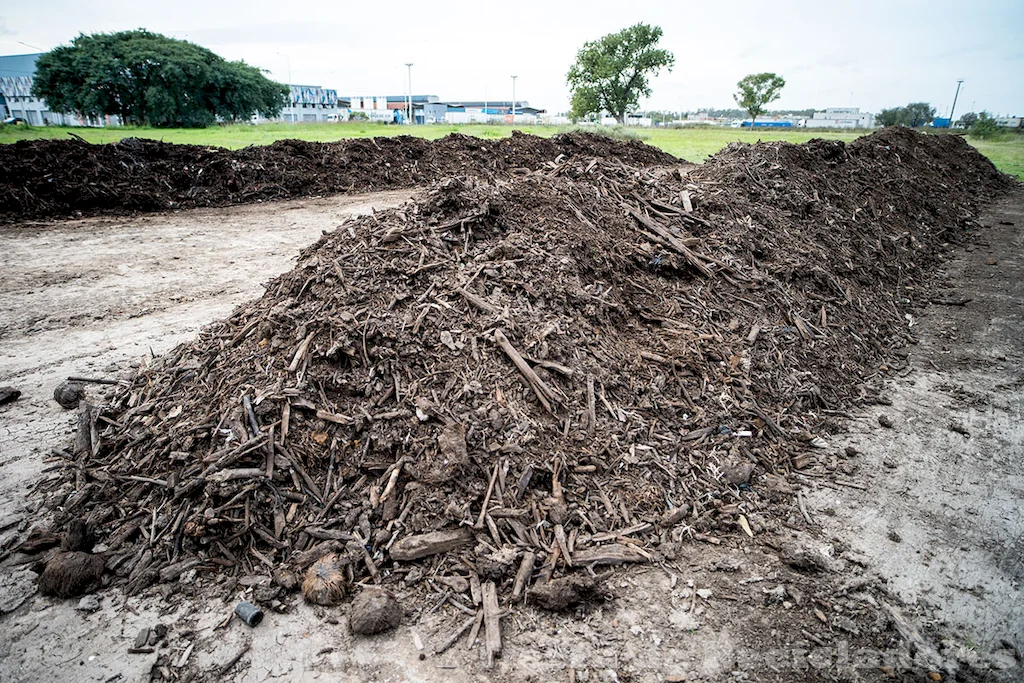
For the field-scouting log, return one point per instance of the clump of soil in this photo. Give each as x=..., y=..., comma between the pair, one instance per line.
x=549, y=360
x=374, y=611
x=72, y=178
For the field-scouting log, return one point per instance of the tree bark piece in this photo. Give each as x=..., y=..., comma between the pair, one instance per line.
x=424, y=545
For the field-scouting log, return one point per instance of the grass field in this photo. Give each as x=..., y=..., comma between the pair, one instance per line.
x=692, y=144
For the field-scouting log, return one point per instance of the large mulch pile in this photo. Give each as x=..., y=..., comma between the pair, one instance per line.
x=72, y=178
x=585, y=364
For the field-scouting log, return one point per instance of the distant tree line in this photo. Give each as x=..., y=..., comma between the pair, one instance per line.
x=914, y=115
x=149, y=79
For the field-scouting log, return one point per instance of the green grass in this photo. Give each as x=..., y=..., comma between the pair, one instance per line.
x=692, y=144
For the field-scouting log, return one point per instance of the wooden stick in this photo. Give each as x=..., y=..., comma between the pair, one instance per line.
x=479, y=302
x=591, y=406
x=466, y=625
x=542, y=390
x=523, y=574
x=476, y=629
x=487, y=499
x=687, y=253
x=492, y=619
x=300, y=352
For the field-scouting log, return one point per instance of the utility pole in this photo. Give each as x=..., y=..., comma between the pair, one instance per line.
x=953, y=108
x=291, y=104
x=514, y=99
x=409, y=109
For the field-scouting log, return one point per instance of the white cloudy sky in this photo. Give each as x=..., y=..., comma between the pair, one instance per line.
x=866, y=53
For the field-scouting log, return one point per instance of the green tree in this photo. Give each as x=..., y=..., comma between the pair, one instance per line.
x=968, y=120
x=611, y=73
x=890, y=117
x=148, y=79
x=919, y=114
x=985, y=127
x=914, y=115
x=757, y=91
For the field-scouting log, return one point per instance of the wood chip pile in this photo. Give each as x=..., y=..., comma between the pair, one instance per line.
x=526, y=375
x=72, y=178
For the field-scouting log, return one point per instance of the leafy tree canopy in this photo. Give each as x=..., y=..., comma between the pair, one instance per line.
x=149, y=79
x=611, y=73
x=984, y=126
x=968, y=120
x=756, y=91
x=914, y=115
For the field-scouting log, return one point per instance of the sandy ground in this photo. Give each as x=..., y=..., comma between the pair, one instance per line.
x=918, y=534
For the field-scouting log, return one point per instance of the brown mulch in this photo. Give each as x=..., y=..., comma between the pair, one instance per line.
x=72, y=178
x=588, y=363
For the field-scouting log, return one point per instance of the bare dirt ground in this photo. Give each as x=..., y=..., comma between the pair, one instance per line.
x=906, y=561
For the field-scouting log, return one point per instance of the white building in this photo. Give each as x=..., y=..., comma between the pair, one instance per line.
x=16, y=100
x=841, y=117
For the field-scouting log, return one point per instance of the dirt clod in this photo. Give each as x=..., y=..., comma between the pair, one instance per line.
x=8, y=394
x=374, y=610
x=70, y=574
x=567, y=593
x=68, y=394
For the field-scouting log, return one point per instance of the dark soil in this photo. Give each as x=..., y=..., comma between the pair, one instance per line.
x=72, y=178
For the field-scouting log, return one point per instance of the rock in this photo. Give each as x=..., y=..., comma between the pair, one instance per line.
x=325, y=582
x=90, y=603
x=285, y=578
x=69, y=394
x=738, y=473
x=804, y=558
x=8, y=394
x=375, y=610
x=567, y=592
x=885, y=421
x=70, y=574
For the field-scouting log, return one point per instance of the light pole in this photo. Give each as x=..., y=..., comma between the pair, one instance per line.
x=953, y=108
x=514, y=99
x=408, y=65
x=291, y=104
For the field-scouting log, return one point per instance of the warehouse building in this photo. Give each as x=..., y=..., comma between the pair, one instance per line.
x=16, y=100
x=311, y=103
x=841, y=117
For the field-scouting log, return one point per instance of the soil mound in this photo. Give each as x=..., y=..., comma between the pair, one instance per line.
x=72, y=178
x=586, y=364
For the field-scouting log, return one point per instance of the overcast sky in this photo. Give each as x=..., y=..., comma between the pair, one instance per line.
x=866, y=53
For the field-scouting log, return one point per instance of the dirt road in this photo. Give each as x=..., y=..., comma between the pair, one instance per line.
x=921, y=543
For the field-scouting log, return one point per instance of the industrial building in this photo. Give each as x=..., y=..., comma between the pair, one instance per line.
x=309, y=104
x=16, y=100
x=841, y=117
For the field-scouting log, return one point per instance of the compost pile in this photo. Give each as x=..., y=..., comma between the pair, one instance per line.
x=71, y=178
x=517, y=377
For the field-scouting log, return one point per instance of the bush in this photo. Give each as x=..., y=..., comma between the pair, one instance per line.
x=985, y=127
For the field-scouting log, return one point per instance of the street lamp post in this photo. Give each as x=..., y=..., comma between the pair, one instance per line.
x=291, y=105
x=408, y=65
x=514, y=99
x=953, y=108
